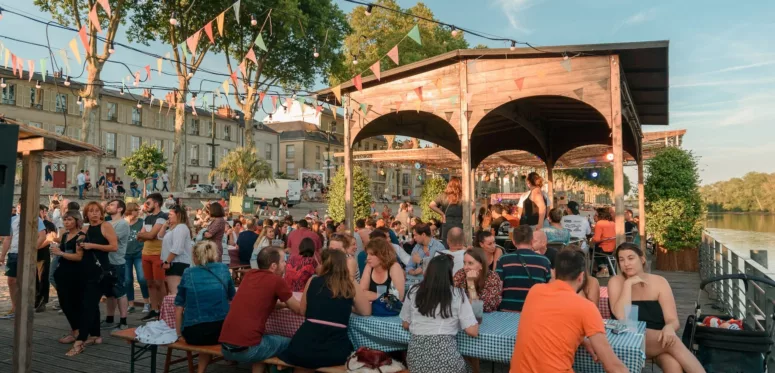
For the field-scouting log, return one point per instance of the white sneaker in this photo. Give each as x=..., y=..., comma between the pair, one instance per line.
x=146, y=308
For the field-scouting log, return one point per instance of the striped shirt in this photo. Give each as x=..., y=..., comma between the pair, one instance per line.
x=516, y=280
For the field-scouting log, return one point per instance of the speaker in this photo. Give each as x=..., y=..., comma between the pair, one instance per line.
x=9, y=135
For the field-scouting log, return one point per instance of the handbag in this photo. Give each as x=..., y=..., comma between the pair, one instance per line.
x=386, y=305
x=366, y=360
x=108, y=277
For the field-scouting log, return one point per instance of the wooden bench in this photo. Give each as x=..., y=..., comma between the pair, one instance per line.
x=191, y=351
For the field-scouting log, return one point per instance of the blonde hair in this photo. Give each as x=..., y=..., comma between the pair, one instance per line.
x=205, y=252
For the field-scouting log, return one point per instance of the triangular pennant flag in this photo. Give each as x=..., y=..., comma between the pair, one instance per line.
x=219, y=21
x=192, y=41
x=159, y=65
x=454, y=99
x=84, y=39
x=418, y=92
x=376, y=69
x=260, y=43
x=8, y=55
x=580, y=93
x=603, y=83
x=289, y=104
x=261, y=96
x=105, y=5
x=43, y=68
x=417, y=106
x=226, y=87
x=337, y=93
x=274, y=102
x=437, y=83
x=94, y=19
x=20, y=61
x=31, y=67
x=13, y=63
x=414, y=33
x=236, y=10
x=185, y=50
x=233, y=77
x=468, y=114
x=251, y=56
x=74, y=48
x=318, y=109
x=364, y=108
x=472, y=66
x=148, y=72
x=448, y=114
x=393, y=54
x=519, y=82
x=209, y=31
x=65, y=60
x=566, y=65
x=137, y=78
x=243, y=69
x=357, y=82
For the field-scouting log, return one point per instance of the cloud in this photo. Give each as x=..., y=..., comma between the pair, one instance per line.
x=748, y=110
x=636, y=19
x=514, y=9
x=715, y=83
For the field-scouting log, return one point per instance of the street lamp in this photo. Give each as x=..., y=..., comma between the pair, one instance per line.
x=331, y=129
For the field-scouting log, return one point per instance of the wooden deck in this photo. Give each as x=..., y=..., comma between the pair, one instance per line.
x=113, y=355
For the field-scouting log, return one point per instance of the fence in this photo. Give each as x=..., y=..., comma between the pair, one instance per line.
x=757, y=304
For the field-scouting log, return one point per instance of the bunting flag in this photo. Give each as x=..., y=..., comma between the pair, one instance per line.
x=192, y=41
x=193, y=106
x=418, y=92
x=76, y=53
x=274, y=102
x=31, y=67
x=7, y=56
x=603, y=83
x=251, y=56
x=365, y=108
x=20, y=61
x=289, y=104
x=43, y=68
x=437, y=83
x=13, y=63
x=393, y=54
x=106, y=6
x=236, y=10
x=375, y=68
x=318, y=109
x=219, y=21
x=261, y=96
x=448, y=114
x=137, y=78
x=333, y=110
x=541, y=73
x=84, y=39
x=260, y=43
x=519, y=82
x=233, y=77
x=185, y=51
x=454, y=99
x=209, y=31
x=226, y=87
x=566, y=65
x=94, y=20
x=65, y=60
x=357, y=82
x=468, y=114
x=243, y=69
x=337, y=93
x=159, y=65
x=417, y=106
x=414, y=33
x=148, y=72
x=579, y=93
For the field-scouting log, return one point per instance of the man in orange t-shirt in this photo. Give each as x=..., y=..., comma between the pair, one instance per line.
x=555, y=320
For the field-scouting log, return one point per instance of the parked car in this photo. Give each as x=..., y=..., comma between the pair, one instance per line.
x=200, y=188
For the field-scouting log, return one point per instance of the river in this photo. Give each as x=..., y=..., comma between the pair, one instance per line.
x=742, y=222
x=744, y=232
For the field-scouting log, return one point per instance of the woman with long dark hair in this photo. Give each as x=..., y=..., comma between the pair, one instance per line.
x=450, y=206
x=300, y=267
x=217, y=227
x=479, y=282
x=328, y=299
x=534, y=208
x=68, y=274
x=175, y=248
x=486, y=240
x=434, y=312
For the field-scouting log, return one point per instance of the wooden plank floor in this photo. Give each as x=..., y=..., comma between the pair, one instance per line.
x=113, y=355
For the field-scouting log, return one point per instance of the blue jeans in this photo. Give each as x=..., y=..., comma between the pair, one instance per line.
x=135, y=260
x=271, y=345
x=135, y=192
x=80, y=190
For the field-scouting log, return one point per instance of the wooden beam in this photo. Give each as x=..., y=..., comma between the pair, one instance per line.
x=28, y=256
x=465, y=154
x=641, y=206
x=550, y=183
x=534, y=129
x=35, y=144
x=348, y=166
x=616, y=130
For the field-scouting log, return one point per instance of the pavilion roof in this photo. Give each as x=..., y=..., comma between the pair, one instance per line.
x=56, y=146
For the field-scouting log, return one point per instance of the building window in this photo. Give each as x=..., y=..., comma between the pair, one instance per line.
x=317, y=166
x=227, y=132
x=210, y=156
x=112, y=111
x=36, y=98
x=135, y=143
x=36, y=125
x=209, y=126
x=159, y=144
x=374, y=147
x=290, y=151
x=317, y=153
x=405, y=179
x=60, y=130
x=136, y=115
x=195, y=155
x=9, y=94
x=268, y=154
x=224, y=152
x=110, y=143
x=61, y=103
x=290, y=169
x=159, y=120
x=194, y=127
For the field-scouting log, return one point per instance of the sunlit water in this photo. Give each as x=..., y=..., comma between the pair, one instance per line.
x=743, y=233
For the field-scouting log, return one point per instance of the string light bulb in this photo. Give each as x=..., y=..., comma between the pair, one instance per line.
x=513, y=45
x=37, y=84
x=454, y=31
x=173, y=20
x=121, y=91
x=368, y=9
x=139, y=105
x=355, y=59
x=564, y=57
x=79, y=100
x=609, y=156
x=112, y=48
x=190, y=75
x=315, y=53
x=253, y=21
x=2, y=83
x=594, y=174
x=270, y=116
x=67, y=81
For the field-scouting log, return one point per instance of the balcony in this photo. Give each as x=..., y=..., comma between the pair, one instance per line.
x=9, y=101
x=194, y=132
x=112, y=117
x=195, y=162
x=138, y=123
x=38, y=106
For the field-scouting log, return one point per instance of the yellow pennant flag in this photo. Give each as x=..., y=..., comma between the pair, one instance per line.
x=337, y=92
x=158, y=65
x=226, y=87
x=219, y=21
x=333, y=110
x=74, y=48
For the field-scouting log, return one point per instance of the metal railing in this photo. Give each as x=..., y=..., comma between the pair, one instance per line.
x=756, y=305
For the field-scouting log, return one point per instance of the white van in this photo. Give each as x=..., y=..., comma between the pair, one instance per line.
x=275, y=193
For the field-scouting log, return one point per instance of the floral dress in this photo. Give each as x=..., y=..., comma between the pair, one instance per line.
x=490, y=295
x=298, y=270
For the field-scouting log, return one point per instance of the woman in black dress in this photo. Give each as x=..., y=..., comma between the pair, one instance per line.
x=67, y=275
x=450, y=206
x=328, y=299
x=535, y=206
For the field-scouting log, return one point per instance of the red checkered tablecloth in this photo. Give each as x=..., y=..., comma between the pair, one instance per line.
x=602, y=304
x=167, y=312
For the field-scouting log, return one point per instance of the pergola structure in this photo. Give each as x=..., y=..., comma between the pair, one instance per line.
x=33, y=144
x=545, y=101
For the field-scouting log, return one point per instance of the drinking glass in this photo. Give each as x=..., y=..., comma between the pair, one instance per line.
x=381, y=289
x=478, y=307
x=632, y=317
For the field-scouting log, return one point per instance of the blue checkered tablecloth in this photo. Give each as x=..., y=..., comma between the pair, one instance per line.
x=497, y=335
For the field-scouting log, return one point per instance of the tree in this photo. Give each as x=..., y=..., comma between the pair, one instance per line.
x=604, y=178
x=753, y=192
x=151, y=22
x=144, y=162
x=68, y=12
x=673, y=202
x=292, y=31
x=361, y=195
x=432, y=188
x=373, y=36
x=243, y=166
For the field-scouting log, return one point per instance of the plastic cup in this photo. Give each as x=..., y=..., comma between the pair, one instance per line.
x=632, y=316
x=478, y=307
x=381, y=289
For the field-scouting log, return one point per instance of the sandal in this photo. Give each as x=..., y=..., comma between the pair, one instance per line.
x=93, y=341
x=76, y=349
x=67, y=339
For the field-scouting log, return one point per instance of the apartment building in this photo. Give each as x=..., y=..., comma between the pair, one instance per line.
x=123, y=122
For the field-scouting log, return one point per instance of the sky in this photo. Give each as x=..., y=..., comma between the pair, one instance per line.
x=722, y=59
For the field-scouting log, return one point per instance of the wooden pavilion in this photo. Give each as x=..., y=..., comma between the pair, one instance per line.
x=545, y=101
x=33, y=144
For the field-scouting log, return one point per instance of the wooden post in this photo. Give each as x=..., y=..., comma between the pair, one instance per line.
x=616, y=131
x=641, y=206
x=465, y=153
x=348, y=167
x=28, y=257
x=550, y=184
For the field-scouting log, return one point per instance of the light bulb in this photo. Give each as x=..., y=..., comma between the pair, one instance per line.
x=270, y=116
x=37, y=84
x=67, y=81
x=173, y=20
x=121, y=91
x=135, y=83
x=454, y=31
x=139, y=105
x=253, y=21
x=112, y=48
x=368, y=9
x=315, y=53
x=79, y=100
x=190, y=75
x=594, y=173
x=609, y=156
x=355, y=59
x=565, y=58
x=2, y=83
x=513, y=45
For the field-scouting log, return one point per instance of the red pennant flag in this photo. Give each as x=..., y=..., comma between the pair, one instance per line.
x=376, y=69
x=519, y=82
x=393, y=54
x=148, y=72
x=209, y=31
x=318, y=109
x=274, y=103
x=234, y=77
x=137, y=78
x=288, y=103
x=418, y=91
x=84, y=38
x=31, y=68
x=94, y=20
x=192, y=41
x=243, y=69
x=105, y=5
x=261, y=97
x=358, y=83
x=13, y=63
x=251, y=56
x=20, y=67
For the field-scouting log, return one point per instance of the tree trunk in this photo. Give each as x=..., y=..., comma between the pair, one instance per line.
x=90, y=97
x=145, y=189
x=248, y=110
x=180, y=126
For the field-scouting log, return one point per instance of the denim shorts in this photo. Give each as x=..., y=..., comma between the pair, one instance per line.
x=271, y=346
x=118, y=289
x=11, y=265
